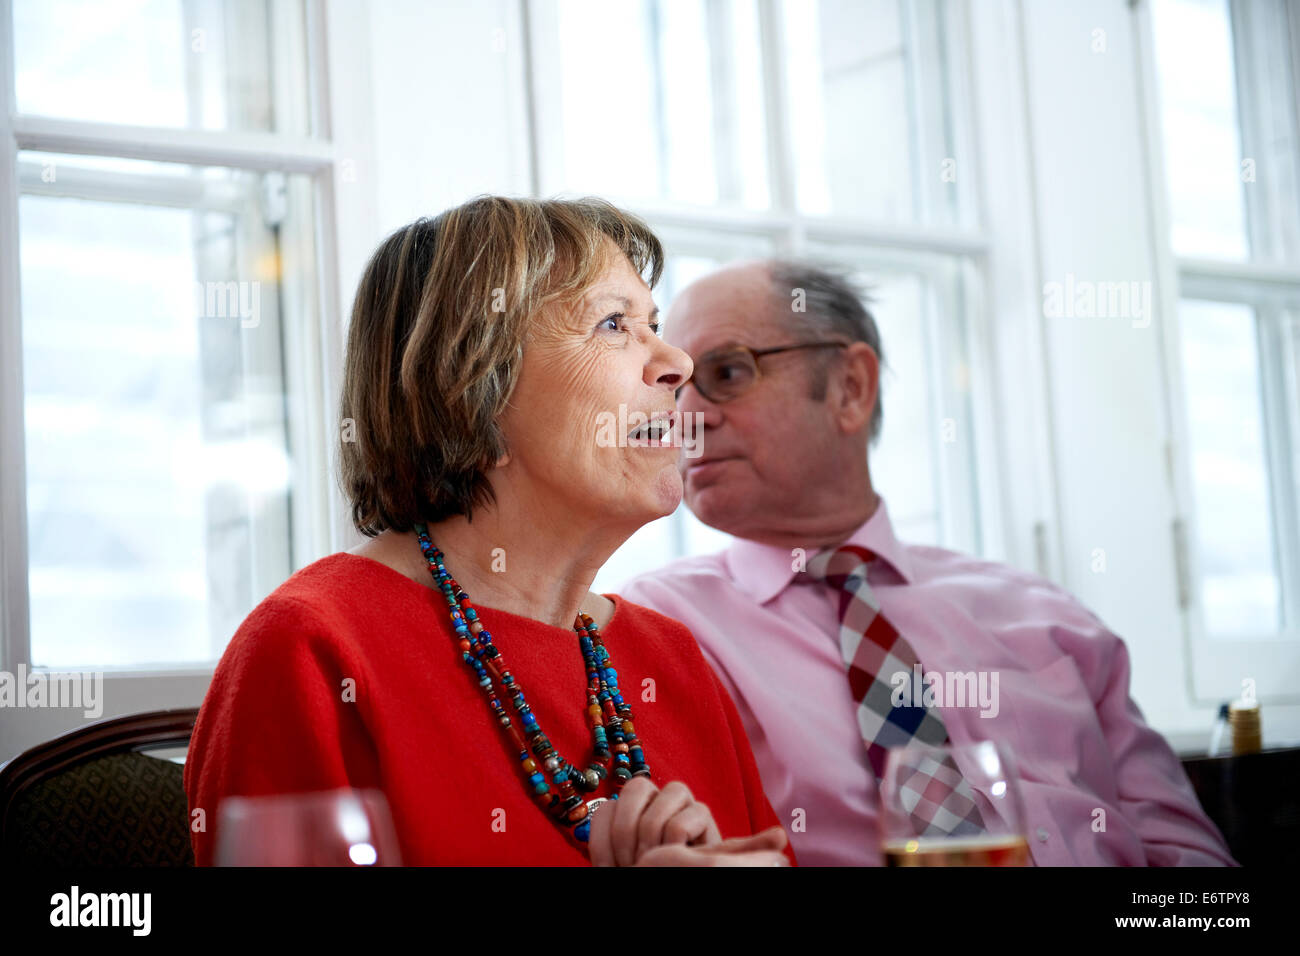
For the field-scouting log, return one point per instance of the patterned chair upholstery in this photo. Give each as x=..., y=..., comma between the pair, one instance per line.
x=95, y=797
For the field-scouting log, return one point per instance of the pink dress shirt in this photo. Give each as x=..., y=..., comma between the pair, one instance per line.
x=1063, y=699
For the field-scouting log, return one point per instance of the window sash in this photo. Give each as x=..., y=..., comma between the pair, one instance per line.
x=315, y=516
x=1272, y=301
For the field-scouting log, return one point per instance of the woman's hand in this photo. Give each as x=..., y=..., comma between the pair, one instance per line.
x=669, y=827
x=761, y=849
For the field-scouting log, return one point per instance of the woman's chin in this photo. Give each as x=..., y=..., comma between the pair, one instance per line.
x=662, y=495
x=670, y=488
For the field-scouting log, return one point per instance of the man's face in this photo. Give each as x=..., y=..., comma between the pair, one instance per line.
x=759, y=454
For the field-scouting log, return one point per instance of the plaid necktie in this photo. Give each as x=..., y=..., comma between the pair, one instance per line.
x=934, y=793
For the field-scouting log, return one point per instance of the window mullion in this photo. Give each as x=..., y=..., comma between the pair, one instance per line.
x=1280, y=456
x=15, y=626
x=780, y=160
x=722, y=76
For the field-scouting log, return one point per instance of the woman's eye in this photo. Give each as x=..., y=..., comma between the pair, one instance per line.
x=616, y=318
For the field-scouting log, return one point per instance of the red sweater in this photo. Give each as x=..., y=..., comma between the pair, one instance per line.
x=420, y=729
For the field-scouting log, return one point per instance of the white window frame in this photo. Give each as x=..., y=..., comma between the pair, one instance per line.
x=1216, y=667
x=339, y=159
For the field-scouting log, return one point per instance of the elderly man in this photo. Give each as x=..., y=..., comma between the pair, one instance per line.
x=782, y=403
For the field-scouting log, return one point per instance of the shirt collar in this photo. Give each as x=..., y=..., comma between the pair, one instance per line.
x=763, y=571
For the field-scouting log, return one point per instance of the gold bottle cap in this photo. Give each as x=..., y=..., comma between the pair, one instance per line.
x=1243, y=718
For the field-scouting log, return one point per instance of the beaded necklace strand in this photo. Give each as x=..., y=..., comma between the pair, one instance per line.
x=614, y=740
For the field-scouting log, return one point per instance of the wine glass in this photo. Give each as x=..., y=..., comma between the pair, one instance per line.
x=343, y=827
x=952, y=805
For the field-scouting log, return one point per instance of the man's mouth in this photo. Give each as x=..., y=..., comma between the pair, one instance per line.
x=707, y=461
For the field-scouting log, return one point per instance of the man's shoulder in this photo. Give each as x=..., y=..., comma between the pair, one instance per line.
x=934, y=564
x=689, y=588
x=1003, y=597
x=697, y=570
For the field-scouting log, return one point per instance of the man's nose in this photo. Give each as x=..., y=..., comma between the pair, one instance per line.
x=696, y=411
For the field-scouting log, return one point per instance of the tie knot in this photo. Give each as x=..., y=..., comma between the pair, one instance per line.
x=842, y=567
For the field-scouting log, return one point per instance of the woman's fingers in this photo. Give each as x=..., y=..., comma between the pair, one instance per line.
x=677, y=854
x=773, y=838
x=613, y=837
x=755, y=858
x=632, y=801
x=600, y=848
x=645, y=819
x=675, y=816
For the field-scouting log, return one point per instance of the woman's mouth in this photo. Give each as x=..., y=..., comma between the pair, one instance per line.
x=658, y=432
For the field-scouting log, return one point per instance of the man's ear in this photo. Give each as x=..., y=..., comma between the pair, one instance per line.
x=858, y=377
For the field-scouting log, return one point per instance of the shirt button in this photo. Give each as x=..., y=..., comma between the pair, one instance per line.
x=1042, y=834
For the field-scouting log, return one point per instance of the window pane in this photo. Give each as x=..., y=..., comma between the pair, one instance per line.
x=1232, y=134
x=1235, y=542
x=653, y=100
x=197, y=64
x=1202, y=142
x=158, y=457
x=871, y=111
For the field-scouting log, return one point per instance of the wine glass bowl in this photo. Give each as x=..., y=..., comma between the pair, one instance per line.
x=343, y=827
x=952, y=805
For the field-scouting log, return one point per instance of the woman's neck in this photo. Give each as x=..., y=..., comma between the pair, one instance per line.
x=536, y=568
x=532, y=569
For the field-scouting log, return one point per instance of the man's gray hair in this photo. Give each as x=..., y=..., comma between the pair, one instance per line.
x=834, y=306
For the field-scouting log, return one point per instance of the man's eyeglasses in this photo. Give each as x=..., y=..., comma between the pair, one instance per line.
x=730, y=372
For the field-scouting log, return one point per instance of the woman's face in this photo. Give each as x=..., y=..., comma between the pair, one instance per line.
x=591, y=373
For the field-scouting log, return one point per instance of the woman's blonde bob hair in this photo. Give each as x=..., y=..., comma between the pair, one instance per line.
x=437, y=339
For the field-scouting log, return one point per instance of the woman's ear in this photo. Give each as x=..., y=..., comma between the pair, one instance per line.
x=503, y=459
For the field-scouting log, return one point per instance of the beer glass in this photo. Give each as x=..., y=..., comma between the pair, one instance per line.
x=952, y=805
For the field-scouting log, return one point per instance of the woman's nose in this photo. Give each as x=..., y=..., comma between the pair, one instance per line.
x=670, y=366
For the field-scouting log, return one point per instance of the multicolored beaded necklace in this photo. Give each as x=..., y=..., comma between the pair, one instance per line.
x=613, y=737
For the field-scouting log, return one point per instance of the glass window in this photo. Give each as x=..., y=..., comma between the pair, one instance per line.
x=650, y=99
x=1227, y=84
x=1193, y=47
x=871, y=122
x=1229, y=468
x=158, y=441
x=1228, y=116
x=192, y=64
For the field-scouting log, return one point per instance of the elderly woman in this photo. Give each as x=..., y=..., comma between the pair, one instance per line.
x=490, y=350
